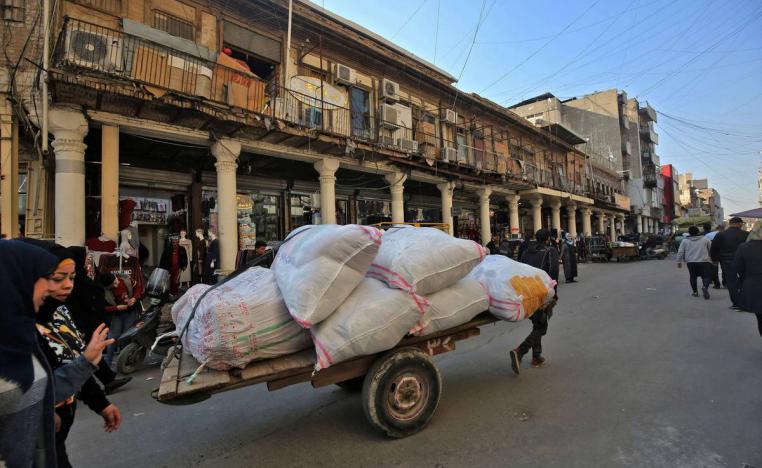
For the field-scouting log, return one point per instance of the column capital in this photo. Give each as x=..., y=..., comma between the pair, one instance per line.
x=571, y=204
x=327, y=166
x=226, y=151
x=66, y=122
x=555, y=204
x=536, y=202
x=446, y=187
x=396, y=180
x=513, y=199
x=586, y=210
x=484, y=192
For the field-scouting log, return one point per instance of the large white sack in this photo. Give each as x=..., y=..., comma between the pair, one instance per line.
x=317, y=267
x=455, y=305
x=374, y=318
x=516, y=290
x=424, y=260
x=240, y=321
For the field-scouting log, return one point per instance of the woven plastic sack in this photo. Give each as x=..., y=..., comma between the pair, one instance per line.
x=516, y=290
x=242, y=320
x=374, y=318
x=318, y=267
x=424, y=260
x=455, y=305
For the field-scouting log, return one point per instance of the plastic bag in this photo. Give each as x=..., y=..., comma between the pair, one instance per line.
x=455, y=305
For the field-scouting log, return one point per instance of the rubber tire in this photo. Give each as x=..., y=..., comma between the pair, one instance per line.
x=352, y=385
x=377, y=385
x=130, y=358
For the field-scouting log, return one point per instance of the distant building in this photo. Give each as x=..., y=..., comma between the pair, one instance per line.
x=699, y=199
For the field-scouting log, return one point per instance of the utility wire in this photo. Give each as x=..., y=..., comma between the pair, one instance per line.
x=473, y=41
x=409, y=18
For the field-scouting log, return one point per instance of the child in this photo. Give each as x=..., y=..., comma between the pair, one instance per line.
x=119, y=302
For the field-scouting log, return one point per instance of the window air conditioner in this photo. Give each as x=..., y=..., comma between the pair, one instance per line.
x=389, y=116
x=389, y=90
x=448, y=115
x=343, y=74
x=408, y=146
x=94, y=49
x=312, y=118
x=449, y=154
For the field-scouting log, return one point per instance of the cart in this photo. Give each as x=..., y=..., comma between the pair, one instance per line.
x=400, y=387
x=625, y=253
x=597, y=249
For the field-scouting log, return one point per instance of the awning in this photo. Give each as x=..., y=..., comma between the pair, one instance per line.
x=753, y=213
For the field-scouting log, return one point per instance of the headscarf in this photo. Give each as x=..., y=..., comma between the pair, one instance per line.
x=21, y=265
x=756, y=232
x=64, y=256
x=569, y=239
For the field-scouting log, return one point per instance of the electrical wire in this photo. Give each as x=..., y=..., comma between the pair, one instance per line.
x=409, y=18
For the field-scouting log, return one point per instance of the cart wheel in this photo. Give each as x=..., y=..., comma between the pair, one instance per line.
x=130, y=358
x=401, y=392
x=352, y=385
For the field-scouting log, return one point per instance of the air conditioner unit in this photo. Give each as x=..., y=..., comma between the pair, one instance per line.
x=448, y=115
x=389, y=117
x=312, y=118
x=386, y=140
x=408, y=146
x=390, y=90
x=449, y=154
x=95, y=49
x=344, y=74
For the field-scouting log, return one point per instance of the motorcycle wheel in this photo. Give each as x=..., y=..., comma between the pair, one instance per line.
x=130, y=358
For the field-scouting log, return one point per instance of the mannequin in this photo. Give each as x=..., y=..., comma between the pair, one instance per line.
x=212, y=258
x=185, y=273
x=125, y=247
x=199, y=259
x=100, y=245
x=135, y=239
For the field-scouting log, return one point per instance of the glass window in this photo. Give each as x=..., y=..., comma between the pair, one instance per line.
x=12, y=10
x=360, y=108
x=415, y=214
x=173, y=25
x=258, y=214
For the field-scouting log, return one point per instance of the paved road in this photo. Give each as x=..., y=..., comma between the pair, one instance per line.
x=639, y=374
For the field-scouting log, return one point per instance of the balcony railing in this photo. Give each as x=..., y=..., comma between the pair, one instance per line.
x=311, y=112
x=161, y=69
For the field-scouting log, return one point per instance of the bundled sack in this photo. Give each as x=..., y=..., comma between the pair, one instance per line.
x=317, y=267
x=516, y=290
x=424, y=260
x=374, y=318
x=455, y=305
x=240, y=321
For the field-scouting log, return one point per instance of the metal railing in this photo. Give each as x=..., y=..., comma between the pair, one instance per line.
x=160, y=68
x=312, y=112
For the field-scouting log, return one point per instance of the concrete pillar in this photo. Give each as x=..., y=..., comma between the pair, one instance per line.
x=571, y=211
x=446, y=189
x=537, y=213
x=327, y=168
x=9, y=171
x=484, y=221
x=110, y=181
x=587, y=227
x=612, y=227
x=396, y=182
x=513, y=205
x=621, y=222
x=69, y=127
x=648, y=225
x=639, y=224
x=555, y=207
x=227, y=151
x=601, y=225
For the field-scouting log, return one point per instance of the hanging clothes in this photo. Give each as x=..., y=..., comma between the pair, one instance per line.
x=212, y=261
x=199, y=260
x=174, y=260
x=186, y=272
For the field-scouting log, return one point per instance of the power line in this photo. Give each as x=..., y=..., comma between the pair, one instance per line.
x=473, y=40
x=409, y=18
x=436, y=34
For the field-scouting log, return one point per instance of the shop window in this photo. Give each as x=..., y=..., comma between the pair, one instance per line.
x=301, y=211
x=359, y=104
x=263, y=68
x=173, y=25
x=415, y=214
x=12, y=10
x=373, y=211
x=258, y=219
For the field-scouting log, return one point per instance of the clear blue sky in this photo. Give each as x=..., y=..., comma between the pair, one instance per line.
x=697, y=61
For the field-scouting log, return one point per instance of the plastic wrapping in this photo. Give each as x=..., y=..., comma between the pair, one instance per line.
x=455, y=305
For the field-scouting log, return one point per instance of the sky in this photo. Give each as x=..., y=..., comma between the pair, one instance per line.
x=697, y=62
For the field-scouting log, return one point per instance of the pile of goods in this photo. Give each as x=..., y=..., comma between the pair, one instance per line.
x=352, y=291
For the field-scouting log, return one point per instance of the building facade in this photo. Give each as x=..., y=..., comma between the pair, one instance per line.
x=699, y=200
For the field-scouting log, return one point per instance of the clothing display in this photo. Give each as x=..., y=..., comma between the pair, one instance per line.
x=186, y=273
x=199, y=257
x=174, y=260
x=212, y=261
x=126, y=207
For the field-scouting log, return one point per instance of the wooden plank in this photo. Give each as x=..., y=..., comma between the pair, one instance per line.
x=445, y=344
x=343, y=371
x=273, y=385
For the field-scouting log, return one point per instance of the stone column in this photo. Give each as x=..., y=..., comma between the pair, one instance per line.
x=621, y=220
x=110, y=181
x=639, y=223
x=513, y=205
x=227, y=151
x=69, y=127
x=555, y=207
x=571, y=211
x=536, y=213
x=327, y=168
x=601, y=225
x=587, y=227
x=649, y=226
x=396, y=182
x=484, y=221
x=612, y=227
x=446, y=189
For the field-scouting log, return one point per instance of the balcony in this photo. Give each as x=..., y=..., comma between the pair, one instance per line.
x=649, y=176
x=649, y=134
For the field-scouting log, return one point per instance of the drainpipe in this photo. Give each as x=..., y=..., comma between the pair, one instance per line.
x=288, y=46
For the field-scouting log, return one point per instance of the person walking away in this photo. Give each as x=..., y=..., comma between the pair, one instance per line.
x=120, y=302
x=724, y=248
x=694, y=251
x=569, y=258
x=506, y=248
x=714, y=266
x=748, y=264
x=581, y=248
x=545, y=257
x=493, y=245
x=525, y=244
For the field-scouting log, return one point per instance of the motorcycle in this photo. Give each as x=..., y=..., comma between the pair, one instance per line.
x=143, y=336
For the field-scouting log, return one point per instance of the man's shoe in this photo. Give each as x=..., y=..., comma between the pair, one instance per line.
x=538, y=361
x=116, y=383
x=694, y=294
x=706, y=293
x=515, y=360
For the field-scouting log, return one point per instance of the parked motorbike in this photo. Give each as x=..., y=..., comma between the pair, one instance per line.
x=136, y=342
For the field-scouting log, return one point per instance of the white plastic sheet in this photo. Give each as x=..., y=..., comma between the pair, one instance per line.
x=455, y=305
x=516, y=290
x=242, y=320
x=318, y=267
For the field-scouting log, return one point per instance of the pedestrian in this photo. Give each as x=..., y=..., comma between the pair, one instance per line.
x=120, y=301
x=714, y=267
x=506, y=248
x=29, y=389
x=493, y=245
x=542, y=255
x=525, y=244
x=569, y=258
x=724, y=248
x=748, y=264
x=694, y=251
x=63, y=343
x=581, y=248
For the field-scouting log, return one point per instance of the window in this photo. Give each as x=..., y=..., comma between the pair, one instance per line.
x=359, y=105
x=264, y=69
x=12, y=10
x=173, y=25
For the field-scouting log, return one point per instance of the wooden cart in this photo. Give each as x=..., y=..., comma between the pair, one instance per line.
x=400, y=387
x=625, y=253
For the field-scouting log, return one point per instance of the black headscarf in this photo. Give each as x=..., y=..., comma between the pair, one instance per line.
x=21, y=265
x=87, y=303
x=61, y=253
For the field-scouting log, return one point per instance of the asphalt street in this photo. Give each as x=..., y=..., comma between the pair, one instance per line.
x=638, y=374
